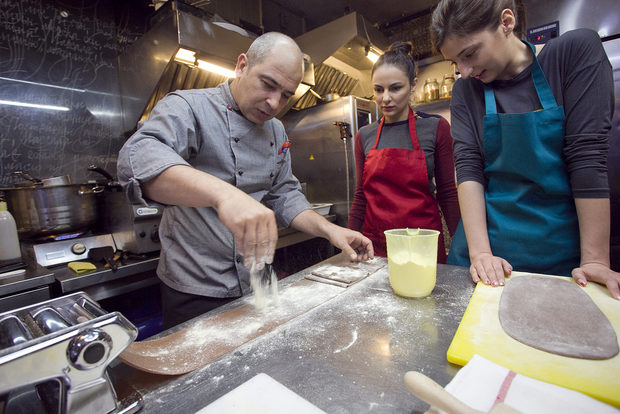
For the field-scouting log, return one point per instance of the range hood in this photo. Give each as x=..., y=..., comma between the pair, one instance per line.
x=339, y=52
x=148, y=70
x=335, y=61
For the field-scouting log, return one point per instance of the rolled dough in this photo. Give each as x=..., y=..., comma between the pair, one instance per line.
x=556, y=315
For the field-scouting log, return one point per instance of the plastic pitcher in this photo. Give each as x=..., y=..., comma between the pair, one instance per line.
x=412, y=261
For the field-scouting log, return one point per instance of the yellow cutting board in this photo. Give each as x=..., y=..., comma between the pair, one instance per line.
x=480, y=333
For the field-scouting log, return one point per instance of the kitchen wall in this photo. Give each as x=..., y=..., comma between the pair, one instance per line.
x=59, y=95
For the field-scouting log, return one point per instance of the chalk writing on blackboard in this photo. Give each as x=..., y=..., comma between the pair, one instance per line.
x=61, y=55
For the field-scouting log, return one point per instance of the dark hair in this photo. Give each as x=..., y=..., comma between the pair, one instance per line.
x=463, y=17
x=400, y=54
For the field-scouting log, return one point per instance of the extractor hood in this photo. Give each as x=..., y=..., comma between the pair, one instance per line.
x=148, y=69
x=339, y=51
x=335, y=61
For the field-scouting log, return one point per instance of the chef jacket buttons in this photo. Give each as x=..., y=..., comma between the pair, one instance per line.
x=240, y=172
x=236, y=139
x=271, y=143
x=270, y=175
x=229, y=108
x=238, y=259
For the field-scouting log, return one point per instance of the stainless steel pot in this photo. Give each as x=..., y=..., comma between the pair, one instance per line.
x=46, y=210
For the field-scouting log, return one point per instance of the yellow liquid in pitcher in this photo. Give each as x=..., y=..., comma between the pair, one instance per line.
x=412, y=280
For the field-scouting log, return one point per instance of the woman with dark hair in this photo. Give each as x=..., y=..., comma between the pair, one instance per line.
x=530, y=144
x=405, y=167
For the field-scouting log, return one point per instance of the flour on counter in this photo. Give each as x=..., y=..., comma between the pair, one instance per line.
x=350, y=343
x=212, y=337
x=264, y=284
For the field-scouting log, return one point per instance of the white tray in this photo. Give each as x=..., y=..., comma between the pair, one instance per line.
x=323, y=208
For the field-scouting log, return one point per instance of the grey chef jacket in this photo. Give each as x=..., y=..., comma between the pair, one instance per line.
x=205, y=129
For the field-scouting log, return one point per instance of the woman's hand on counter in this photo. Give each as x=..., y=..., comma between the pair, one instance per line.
x=489, y=269
x=599, y=273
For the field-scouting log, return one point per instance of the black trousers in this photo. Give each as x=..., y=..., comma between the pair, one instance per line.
x=178, y=307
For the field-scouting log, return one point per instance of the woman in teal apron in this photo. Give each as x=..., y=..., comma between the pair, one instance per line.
x=532, y=177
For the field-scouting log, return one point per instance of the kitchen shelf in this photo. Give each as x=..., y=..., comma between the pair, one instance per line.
x=439, y=103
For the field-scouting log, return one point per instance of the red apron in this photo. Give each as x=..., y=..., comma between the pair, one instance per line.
x=395, y=184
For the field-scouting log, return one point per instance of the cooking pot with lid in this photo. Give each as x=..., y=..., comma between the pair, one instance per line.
x=52, y=206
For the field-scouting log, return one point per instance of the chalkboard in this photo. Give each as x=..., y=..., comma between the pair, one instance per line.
x=62, y=56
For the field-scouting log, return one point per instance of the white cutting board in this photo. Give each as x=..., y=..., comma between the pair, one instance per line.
x=261, y=395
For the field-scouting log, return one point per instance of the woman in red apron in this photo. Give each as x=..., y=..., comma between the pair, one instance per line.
x=530, y=137
x=405, y=168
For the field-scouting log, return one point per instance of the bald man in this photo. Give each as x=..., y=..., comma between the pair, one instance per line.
x=218, y=159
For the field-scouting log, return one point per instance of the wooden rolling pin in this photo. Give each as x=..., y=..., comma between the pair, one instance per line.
x=428, y=390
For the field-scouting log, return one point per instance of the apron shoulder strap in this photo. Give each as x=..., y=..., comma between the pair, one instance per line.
x=543, y=90
x=545, y=96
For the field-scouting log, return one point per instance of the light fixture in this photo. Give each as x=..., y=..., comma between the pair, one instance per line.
x=373, y=54
x=37, y=106
x=189, y=57
x=202, y=64
x=186, y=56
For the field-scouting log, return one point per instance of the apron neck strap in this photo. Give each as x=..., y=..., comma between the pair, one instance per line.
x=412, y=132
x=545, y=95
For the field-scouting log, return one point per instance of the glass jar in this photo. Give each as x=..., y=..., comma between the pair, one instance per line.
x=446, y=86
x=431, y=90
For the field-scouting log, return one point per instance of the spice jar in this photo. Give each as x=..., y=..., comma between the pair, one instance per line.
x=431, y=90
x=446, y=86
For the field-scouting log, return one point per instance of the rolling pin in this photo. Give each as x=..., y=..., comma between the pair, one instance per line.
x=428, y=390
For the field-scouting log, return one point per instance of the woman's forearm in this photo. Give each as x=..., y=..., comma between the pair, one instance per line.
x=473, y=214
x=594, y=218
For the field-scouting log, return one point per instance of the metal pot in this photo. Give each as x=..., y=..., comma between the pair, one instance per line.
x=46, y=210
x=60, y=180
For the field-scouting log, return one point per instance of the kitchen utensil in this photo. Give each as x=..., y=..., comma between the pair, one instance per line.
x=49, y=182
x=42, y=210
x=110, y=181
x=412, y=261
x=428, y=390
x=64, y=346
x=480, y=332
x=103, y=254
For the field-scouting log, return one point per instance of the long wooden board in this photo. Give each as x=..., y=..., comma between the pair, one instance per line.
x=212, y=337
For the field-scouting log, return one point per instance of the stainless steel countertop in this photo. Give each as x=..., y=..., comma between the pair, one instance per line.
x=33, y=276
x=69, y=281
x=347, y=355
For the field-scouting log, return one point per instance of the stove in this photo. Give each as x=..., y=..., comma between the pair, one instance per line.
x=65, y=248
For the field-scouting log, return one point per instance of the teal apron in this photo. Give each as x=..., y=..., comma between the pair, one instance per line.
x=531, y=216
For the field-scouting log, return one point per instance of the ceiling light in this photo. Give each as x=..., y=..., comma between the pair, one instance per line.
x=372, y=56
x=38, y=106
x=372, y=53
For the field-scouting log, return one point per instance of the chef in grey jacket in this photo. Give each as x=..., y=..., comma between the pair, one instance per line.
x=219, y=160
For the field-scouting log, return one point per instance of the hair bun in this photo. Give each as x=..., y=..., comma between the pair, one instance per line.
x=405, y=48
